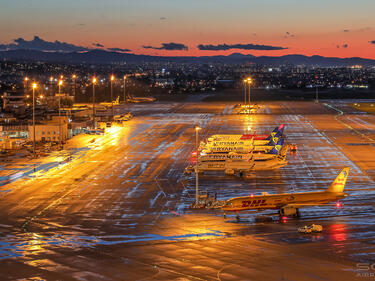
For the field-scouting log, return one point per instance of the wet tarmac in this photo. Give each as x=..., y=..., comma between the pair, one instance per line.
x=115, y=207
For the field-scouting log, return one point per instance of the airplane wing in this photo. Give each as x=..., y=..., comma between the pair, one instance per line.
x=308, y=205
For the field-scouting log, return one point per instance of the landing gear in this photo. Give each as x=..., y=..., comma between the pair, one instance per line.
x=238, y=217
x=294, y=212
x=298, y=214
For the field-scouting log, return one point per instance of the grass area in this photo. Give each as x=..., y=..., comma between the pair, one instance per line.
x=368, y=107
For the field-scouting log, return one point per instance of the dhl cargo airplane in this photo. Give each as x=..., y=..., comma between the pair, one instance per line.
x=289, y=204
x=279, y=129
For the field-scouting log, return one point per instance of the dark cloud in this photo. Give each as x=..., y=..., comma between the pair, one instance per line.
x=224, y=47
x=119, y=50
x=288, y=35
x=372, y=42
x=345, y=46
x=163, y=18
x=41, y=45
x=169, y=47
x=346, y=30
x=97, y=45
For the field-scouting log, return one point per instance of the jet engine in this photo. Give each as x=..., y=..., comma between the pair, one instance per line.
x=289, y=211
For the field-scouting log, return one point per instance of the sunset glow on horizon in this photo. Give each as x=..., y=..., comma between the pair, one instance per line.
x=337, y=28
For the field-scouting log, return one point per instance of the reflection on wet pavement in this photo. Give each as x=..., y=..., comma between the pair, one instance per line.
x=120, y=202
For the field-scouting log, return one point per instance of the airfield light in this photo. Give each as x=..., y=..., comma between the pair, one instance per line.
x=60, y=82
x=74, y=76
x=26, y=78
x=94, y=80
x=112, y=77
x=34, y=85
x=27, y=96
x=338, y=204
x=197, y=128
x=41, y=96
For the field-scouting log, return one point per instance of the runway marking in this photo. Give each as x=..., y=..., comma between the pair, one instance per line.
x=341, y=113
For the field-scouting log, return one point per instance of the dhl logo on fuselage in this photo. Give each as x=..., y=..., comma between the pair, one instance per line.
x=254, y=203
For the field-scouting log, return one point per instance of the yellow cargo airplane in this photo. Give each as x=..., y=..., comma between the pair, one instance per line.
x=288, y=204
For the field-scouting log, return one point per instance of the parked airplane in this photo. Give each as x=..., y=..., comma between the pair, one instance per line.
x=241, y=146
x=279, y=129
x=233, y=163
x=274, y=159
x=289, y=204
x=109, y=104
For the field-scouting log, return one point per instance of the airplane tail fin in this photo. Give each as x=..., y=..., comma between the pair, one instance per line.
x=275, y=139
x=277, y=131
x=276, y=149
x=339, y=183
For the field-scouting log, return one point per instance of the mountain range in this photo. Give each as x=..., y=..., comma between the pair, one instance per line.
x=107, y=57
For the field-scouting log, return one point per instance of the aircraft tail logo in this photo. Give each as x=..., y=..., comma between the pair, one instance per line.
x=276, y=149
x=278, y=131
x=339, y=183
x=274, y=139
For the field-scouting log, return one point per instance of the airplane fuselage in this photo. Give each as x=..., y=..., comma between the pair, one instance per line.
x=277, y=201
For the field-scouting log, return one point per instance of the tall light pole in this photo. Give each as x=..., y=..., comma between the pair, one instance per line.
x=26, y=85
x=74, y=84
x=93, y=100
x=316, y=90
x=50, y=85
x=249, y=81
x=34, y=87
x=197, y=128
x=244, y=95
x=60, y=134
x=112, y=79
x=125, y=99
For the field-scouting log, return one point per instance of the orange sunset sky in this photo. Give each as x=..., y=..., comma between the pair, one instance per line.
x=328, y=28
